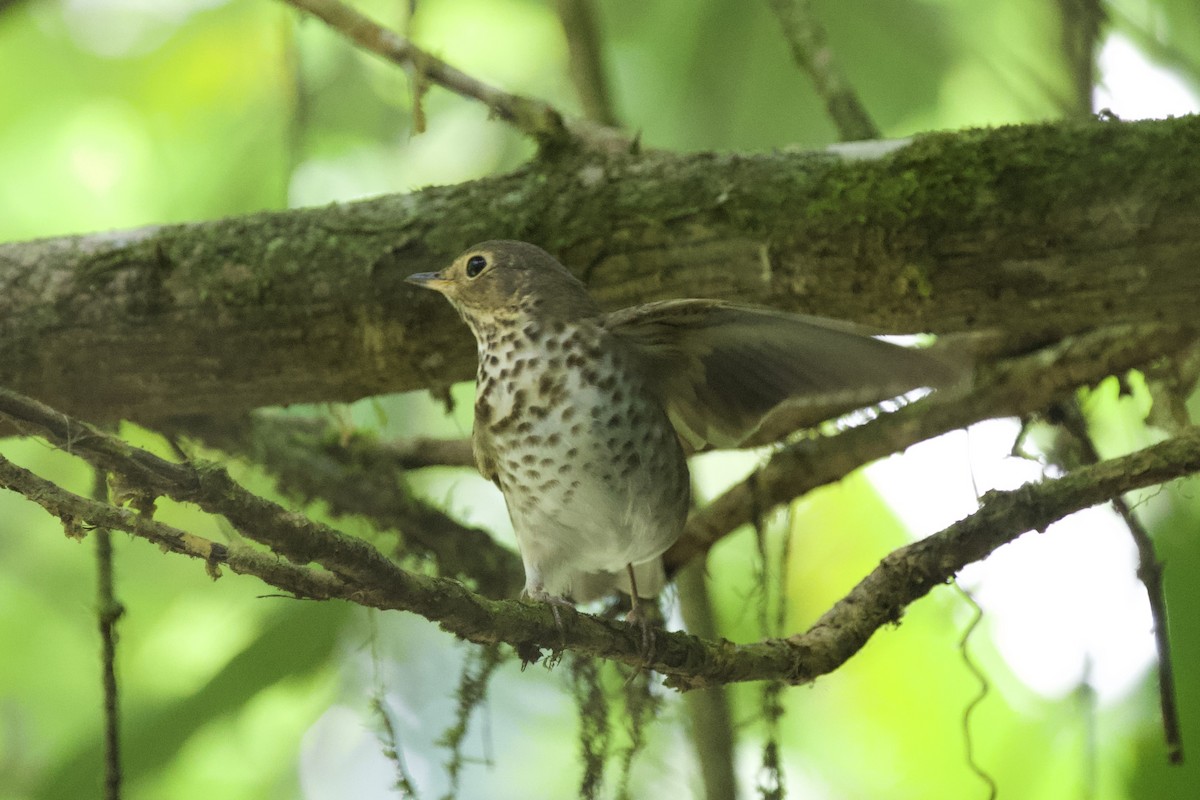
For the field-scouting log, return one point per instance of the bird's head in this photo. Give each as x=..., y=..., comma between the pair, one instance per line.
x=498, y=281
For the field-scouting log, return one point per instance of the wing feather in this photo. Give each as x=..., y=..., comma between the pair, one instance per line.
x=720, y=368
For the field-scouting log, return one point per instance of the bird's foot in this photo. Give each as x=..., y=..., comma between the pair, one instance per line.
x=639, y=616
x=555, y=602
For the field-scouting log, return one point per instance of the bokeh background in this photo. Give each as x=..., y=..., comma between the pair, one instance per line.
x=123, y=113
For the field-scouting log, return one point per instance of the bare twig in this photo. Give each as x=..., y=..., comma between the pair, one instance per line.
x=533, y=117
x=1149, y=572
x=109, y=610
x=143, y=476
x=586, y=59
x=810, y=48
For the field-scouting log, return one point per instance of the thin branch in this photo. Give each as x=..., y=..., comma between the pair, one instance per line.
x=361, y=574
x=354, y=474
x=910, y=572
x=1080, y=22
x=144, y=476
x=712, y=722
x=810, y=48
x=1013, y=387
x=1149, y=572
x=108, y=611
x=586, y=59
x=245, y=435
x=78, y=514
x=527, y=627
x=533, y=117
x=423, y=452
x=478, y=669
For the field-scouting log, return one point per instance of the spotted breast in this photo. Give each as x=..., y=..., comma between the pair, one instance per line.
x=591, y=468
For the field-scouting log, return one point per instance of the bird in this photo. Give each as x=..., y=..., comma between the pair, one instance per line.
x=584, y=419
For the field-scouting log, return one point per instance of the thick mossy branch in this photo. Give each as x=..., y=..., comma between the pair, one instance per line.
x=1035, y=230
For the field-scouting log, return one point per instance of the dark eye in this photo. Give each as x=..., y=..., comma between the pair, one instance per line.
x=475, y=265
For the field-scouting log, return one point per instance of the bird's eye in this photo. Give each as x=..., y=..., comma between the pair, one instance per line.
x=475, y=265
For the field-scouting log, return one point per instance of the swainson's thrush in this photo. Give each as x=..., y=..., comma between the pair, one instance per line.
x=582, y=417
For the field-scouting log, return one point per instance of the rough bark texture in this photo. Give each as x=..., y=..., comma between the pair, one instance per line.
x=1038, y=230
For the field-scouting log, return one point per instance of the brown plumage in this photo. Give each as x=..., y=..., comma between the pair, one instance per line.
x=581, y=417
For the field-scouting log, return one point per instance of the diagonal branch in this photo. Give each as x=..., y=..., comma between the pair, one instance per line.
x=586, y=59
x=810, y=48
x=79, y=513
x=144, y=476
x=535, y=118
x=910, y=572
x=358, y=572
x=902, y=577
x=1014, y=387
x=356, y=475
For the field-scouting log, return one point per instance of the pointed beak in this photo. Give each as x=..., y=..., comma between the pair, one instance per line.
x=429, y=280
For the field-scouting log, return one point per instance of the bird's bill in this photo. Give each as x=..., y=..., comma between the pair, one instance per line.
x=430, y=280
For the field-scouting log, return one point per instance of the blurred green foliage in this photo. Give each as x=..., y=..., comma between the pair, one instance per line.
x=116, y=114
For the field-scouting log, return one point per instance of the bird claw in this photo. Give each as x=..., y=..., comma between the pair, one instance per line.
x=542, y=596
x=640, y=619
x=555, y=602
x=638, y=616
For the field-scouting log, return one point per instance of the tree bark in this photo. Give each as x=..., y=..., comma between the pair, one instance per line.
x=1034, y=230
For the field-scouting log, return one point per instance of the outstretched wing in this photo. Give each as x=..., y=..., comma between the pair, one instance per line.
x=720, y=368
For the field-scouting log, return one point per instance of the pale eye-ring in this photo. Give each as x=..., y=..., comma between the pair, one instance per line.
x=475, y=265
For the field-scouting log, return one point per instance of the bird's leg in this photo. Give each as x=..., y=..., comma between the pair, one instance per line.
x=637, y=615
x=539, y=595
x=635, y=607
